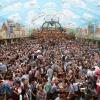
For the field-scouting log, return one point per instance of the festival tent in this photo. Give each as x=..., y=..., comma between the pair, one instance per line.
x=32, y=13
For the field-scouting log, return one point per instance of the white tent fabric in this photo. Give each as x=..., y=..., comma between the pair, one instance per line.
x=33, y=12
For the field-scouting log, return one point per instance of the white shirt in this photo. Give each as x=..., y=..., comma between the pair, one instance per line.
x=75, y=86
x=96, y=68
x=98, y=82
x=71, y=89
x=25, y=76
x=58, y=98
x=49, y=72
x=90, y=73
x=55, y=67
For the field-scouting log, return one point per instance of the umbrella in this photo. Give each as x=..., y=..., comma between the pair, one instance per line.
x=98, y=73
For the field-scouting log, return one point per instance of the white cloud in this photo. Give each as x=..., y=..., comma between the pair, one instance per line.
x=39, y=22
x=49, y=8
x=67, y=14
x=13, y=8
x=31, y=17
x=10, y=1
x=50, y=5
x=87, y=16
x=30, y=4
x=36, y=24
x=15, y=17
x=72, y=25
x=98, y=4
x=66, y=5
x=78, y=3
x=34, y=18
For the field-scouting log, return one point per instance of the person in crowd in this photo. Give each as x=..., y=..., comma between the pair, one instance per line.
x=49, y=73
x=50, y=70
x=41, y=95
x=33, y=89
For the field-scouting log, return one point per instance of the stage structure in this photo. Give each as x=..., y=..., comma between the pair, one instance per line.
x=51, y=30
x=52, y=25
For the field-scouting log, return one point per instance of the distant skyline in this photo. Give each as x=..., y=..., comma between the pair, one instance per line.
x=31, y=13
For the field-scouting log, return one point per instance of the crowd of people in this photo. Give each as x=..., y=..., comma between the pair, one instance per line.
x=67, y=70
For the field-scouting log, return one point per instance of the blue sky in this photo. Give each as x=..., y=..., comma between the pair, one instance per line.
x=31, y=13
